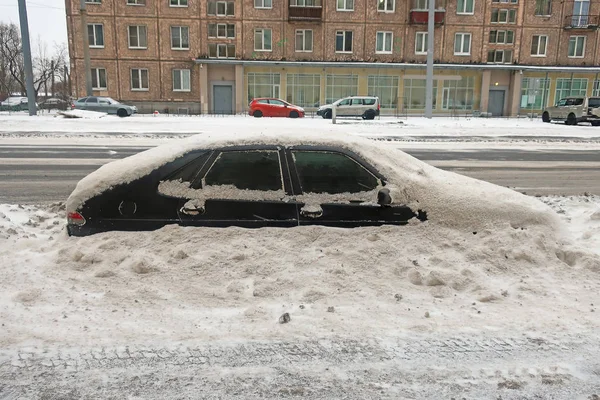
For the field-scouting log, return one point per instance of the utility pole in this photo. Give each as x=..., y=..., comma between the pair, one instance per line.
x=27, y=57
x=52, y=76
x=429, y=78
x=86, y=49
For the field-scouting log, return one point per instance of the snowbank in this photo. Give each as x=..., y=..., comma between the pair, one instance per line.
x=85, y=114
x=449, y=199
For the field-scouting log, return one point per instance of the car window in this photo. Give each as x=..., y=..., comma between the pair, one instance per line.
x=357, y=102
x=188, y=172
x=562, y=102
x=252, y=170
x=263, y=101
x=327, y=172
x=103, y=101
x=594, y=102
x=344, y=102
x=82, y=100
x=276, y=102
x=369, y=101
x=92, y=100
x=577, y=102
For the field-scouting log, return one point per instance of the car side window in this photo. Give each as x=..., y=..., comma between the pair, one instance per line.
x=577, y=102
x=263, y=101
x=252, y=170
x=328, y=172
x=344, y=102
x=561, y=102
x=82, y=100
x=369, y=102
x=103, y=101
x=357, y=102
x=276, y=102
x=92, y=100
x=190, y=167
x=594, y=102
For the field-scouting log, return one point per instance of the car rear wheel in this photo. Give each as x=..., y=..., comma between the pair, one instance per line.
x=258, y=114
x=294, y=114
x=327, y=114
x=121, y=112
x=546, y=117
x=369, y=114
x=595, y=123
x=571, y=119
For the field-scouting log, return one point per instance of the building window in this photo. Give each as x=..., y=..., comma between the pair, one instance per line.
x=465, y=7
x=263, y=40
x=221, y=8
x=534, y=93
x=304, y=40
x=386, y=5
x=304, y=90
x=414, y=94
x=96, y=35
x=137, y=37
x=305, y=3
x=576, y=46
x=581, y=11
x=136, y=2
x=181, y=80
x=384, y=87
x=383, y=43
x=345, y=5
x=99, y=79
x=567, y=87
x=500, y=56
x=93, y=1
x=538, y=45
x=178, y=3
x=421, y=43
x=421, y=5
x=139, y=79
x=543, y=7
x=263, y=3
x=221, y=50
x=340, y=86
x=180, y=38
x=263, y=85
x=504, y=16
x=505, y=1
x=596, y=89
x=458, y=94
x=502, y=37
x=343, y=42
x=462, y=44
x=224, y=31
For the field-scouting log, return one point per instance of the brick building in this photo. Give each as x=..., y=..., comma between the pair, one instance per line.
x=507, y=57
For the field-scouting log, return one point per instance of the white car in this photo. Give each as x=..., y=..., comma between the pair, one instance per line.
x=366, y=107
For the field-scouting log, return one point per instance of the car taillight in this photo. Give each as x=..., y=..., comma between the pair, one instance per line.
x=74, y=218
x=378, y=106
x=72, y=106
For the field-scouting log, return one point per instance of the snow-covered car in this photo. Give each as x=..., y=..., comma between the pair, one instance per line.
x=253, y=181
x=104, y=104
x=366, y=107
x=15, y=103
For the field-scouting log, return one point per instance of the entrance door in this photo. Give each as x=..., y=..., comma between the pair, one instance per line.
x=496, y=103
x=223, y=99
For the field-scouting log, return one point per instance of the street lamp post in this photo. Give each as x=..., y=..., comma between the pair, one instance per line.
x=429, y=77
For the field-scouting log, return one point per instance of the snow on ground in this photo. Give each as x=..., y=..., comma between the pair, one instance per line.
x=84, y=114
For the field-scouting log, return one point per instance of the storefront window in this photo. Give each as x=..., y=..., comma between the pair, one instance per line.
x=386, y=88
x=566, y=87
x=304, y=90
x=534, y=93
x=263, y=85
x=340, y=86
x=414, y=94
x=458, y=94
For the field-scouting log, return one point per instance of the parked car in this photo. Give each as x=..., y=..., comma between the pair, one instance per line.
x=54, y=103
x=15, y=103
x=104, y=104
x=367, y=107
x=573, y=110
x=271, y=107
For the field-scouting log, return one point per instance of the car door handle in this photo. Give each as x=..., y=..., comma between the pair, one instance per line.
x=193, y=210
x=311, y=213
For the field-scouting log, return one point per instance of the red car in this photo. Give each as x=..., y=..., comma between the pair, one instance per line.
x=267, y=107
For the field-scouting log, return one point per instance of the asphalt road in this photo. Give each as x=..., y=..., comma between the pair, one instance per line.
x=42, y=173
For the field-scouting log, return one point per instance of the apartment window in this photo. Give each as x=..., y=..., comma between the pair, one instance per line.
x=345, y=5
x=305, y=3
x=304, y=40
x=139, y=79
x=137, y=37
x=566, y=87
x=221, y=50
x=263, y=40
x=500, y=56
x=386, y=88
x=93, y=1
x=180, y=38
x=263, y=85
x=500, y=16
x=421, y=43
x=263, y=3
x=221, y=8
x=581, y=10
x=462, y=44
x=596, y=89
x=576, y=46
x=535, y=93
x=98, y=78
x=465, y=7
x=505, y=1
x=421, y=5
x=343, y=42
x=386, y=5
x=383, y=43
x=543, y=7
x=136, y=2
x=414, y=94
x=224, y=31
x=304, y=90
x=538, y=45
x=458, y=95
x=340, y=86
x=181, y=80
x=96, y=35
x=178, y=3
x=502, y=37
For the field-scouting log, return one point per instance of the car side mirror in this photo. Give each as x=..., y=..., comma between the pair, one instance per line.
x=384, y=198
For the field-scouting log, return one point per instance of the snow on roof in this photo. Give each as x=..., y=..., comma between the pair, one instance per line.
x=448, y=198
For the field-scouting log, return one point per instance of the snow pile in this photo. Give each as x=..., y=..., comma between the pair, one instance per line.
x=85, y=114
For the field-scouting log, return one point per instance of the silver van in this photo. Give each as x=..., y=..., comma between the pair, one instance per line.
x=366, y=107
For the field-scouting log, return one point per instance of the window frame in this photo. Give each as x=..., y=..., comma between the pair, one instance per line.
x=179, y=3
x=94, y=25
x=464, y=12
x=538, y=54
x=96, y=74
x=345, y=9
x=508, y=12
x=385, y=6
x=425, y=43
x=506, y=33
x=229, y=6
x=217, y=51
x=384, y=34
x=181, y=28
x=575, y=48
x=181, y=80
x=303, y=34
x=263, y=7
x=136, y=2
x=141, y=80
x=261, y=32
x=540, y=5
x=343, y=34
x=138, y=37
x=462, y=53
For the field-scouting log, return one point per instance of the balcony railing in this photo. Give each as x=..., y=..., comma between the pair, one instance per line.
x=422, y=16
x=305, y=10
x=582, y=22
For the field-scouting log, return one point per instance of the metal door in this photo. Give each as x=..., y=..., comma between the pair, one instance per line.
x=223, y=99
x=496, y=103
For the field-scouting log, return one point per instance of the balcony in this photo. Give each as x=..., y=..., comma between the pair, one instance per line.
x=422, y=16
x=582, y=22
x=305, y=10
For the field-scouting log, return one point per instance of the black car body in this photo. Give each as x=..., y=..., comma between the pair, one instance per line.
x=249, y=186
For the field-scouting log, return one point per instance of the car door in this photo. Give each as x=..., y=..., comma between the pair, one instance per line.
x=336, y=188
x=278, y=108
x=343, y=108
x=103, y=105
x=91, y=104
x=242, y=186
x=357, y=107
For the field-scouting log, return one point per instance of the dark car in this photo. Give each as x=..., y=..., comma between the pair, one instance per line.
x=250, y=185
